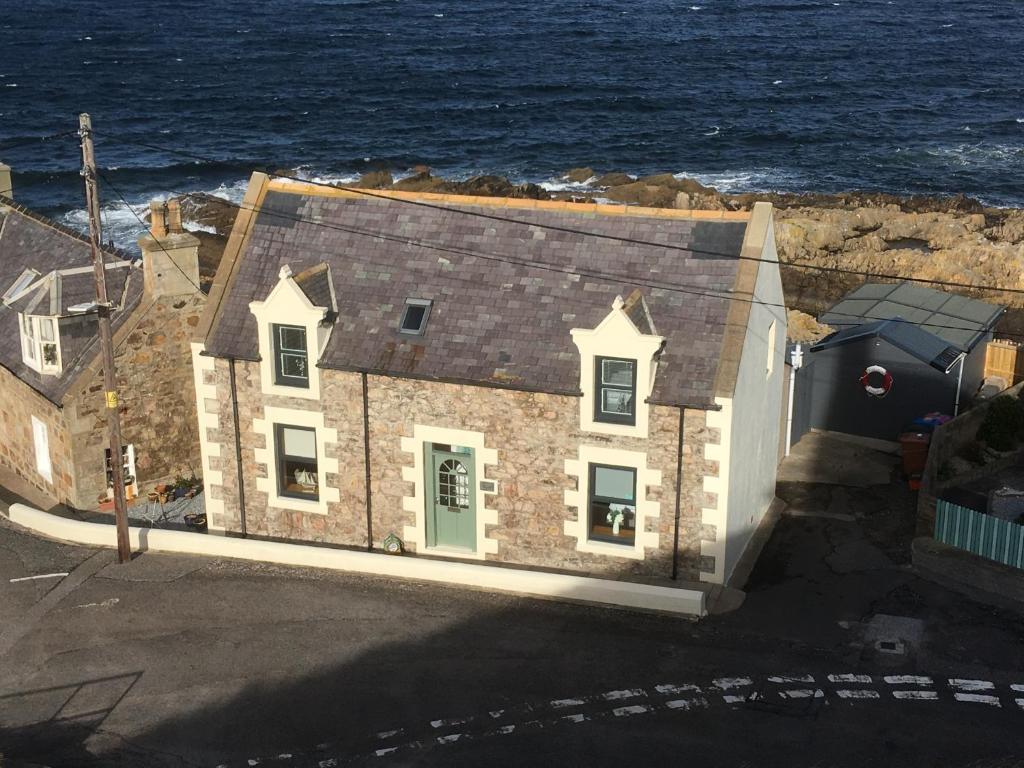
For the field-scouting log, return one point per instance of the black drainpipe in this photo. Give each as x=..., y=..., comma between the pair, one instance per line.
x=366, y=464
x=238, y=446
x=679, y=490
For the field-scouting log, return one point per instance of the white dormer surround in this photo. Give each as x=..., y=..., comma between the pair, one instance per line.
x=616, y=338
x=287, y=305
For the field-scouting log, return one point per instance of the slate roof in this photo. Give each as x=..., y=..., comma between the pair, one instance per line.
x=956, y=320
x=503, y=307
x=925, y=346
x=31, y=241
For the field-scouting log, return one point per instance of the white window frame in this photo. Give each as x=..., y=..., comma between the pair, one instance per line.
x=18, y=288
x=41, y=441
x=32, y=343
x=770, y=365
x=616, y=337
x=579, y=497
x=326, y=465
x=288, y=305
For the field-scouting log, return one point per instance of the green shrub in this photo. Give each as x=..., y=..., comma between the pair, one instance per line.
x=1003, y=424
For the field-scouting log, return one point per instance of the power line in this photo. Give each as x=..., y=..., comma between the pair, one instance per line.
x=35, y=139
x=690, y=289
x=145, y=227
x=864, y=274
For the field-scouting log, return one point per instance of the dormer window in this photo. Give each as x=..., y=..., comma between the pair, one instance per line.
x=414, y=317
x=618, y=363
x=291, y=359
x=40, y=344
x=615, y=383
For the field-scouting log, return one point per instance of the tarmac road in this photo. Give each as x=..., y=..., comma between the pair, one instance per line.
x=177, y=661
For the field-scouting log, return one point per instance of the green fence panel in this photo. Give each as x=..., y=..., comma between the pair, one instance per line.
x=981, y=534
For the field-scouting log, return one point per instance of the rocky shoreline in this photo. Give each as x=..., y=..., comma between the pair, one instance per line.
x=954, y=239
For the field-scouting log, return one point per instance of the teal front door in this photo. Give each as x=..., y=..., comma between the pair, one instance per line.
x=451, y=499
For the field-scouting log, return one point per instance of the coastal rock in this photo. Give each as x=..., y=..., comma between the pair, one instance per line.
x=494, y=186
x=613, y=180
x=375, y=180
x=419, y=182
x=803, y=328
x=579, y=175
x=638, y=193
x=208, y=211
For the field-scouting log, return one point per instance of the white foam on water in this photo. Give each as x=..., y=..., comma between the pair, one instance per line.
x=634, y=709
x=556, y=185
x=715, y=130
x=907, y=680
x=687, y=704
x=916, y=695
x=726, y=683
x=849, y=678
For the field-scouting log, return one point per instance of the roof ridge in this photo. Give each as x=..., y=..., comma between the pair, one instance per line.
x=296, y=187
x=39, y=218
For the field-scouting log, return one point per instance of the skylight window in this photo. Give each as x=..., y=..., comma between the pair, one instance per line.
x=414, y=318
x=23, y=282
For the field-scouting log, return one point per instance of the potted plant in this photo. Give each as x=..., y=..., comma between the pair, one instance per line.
x=181, y=486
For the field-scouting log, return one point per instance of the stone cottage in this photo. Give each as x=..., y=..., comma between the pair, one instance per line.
x=52, y=411
x=584, y=388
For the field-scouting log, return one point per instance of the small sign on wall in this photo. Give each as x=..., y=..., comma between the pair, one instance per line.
x=488, y=486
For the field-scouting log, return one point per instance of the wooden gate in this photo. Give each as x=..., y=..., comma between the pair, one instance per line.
x=1003, y=358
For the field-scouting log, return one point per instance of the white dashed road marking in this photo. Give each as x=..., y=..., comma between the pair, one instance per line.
x=978, y=698
x=727, y=683
x=629, y=693
x=970, y=685
x=40, y=576
x=563, y=703
x=860, y=693
x=849, y=678
x=687, y=697
x=634, y=709
x=907, y=680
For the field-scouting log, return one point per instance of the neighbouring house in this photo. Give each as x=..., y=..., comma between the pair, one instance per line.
x=899, y=351
x=52, y=407
x=585, y=388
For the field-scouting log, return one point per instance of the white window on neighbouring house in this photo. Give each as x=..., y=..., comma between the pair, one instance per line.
x=40, y=344
x=770, y=365
x=42, y=445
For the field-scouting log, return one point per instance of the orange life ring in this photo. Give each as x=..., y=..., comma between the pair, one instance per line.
x=865, y=381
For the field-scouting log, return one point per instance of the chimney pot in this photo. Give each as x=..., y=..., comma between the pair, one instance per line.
x=157, y=220
x=174, y=217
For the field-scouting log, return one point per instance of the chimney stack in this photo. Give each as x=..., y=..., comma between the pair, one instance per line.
x=157, y=219
x=170, y=255
x=6, y=188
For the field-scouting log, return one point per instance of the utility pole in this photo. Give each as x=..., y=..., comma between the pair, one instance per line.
x=103, y=306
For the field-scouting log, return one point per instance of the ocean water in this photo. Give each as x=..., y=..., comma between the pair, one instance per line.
x=918, y=96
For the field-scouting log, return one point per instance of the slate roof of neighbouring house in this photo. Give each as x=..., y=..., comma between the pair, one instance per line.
x=955, y=320
x=31, y=241
x=503, y=307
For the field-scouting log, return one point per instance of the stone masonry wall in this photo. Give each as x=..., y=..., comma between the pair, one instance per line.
x=345, y=523
x=533, y=433
x=18, y=404
x=157, y=400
